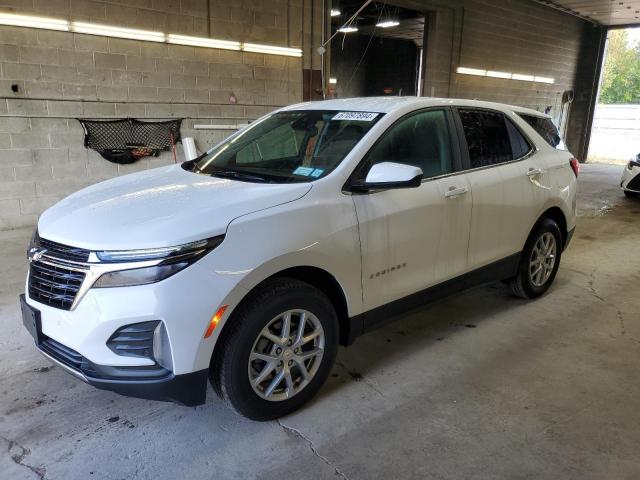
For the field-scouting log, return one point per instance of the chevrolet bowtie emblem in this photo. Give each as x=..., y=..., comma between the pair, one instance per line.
x=36, y=254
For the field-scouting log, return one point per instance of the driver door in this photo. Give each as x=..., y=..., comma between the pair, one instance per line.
x=414, y=238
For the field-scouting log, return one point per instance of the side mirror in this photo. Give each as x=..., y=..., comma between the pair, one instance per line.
x=389, y=175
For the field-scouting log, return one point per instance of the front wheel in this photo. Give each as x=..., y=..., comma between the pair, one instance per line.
x=540, y=260
x=278, y=351
x=629, y=194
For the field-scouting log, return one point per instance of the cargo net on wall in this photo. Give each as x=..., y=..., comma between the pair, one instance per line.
x=127, y=140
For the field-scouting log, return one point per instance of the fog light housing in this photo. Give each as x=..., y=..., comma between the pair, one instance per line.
x=143, y=340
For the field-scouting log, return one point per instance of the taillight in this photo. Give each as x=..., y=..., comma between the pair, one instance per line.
x=575, y=166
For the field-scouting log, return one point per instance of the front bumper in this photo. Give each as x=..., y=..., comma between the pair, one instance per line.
x=189, y=389
x=630, y=180
x=151, y=382
x=184, y=303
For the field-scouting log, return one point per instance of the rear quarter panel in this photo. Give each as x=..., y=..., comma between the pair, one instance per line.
x=559, y=175
x=564, y=184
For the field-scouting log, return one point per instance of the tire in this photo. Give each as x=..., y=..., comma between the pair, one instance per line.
x=528, y=285
x=629, y=194
x=243, y=346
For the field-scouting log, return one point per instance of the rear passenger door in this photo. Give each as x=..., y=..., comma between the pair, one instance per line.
x=508, y=181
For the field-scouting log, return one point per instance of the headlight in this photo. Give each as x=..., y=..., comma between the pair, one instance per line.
x=170, y=261
x=139, y=276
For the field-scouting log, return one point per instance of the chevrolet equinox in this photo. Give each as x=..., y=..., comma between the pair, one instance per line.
x=249, y=265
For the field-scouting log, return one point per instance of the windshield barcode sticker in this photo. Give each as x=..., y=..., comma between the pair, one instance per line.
x=358, y=116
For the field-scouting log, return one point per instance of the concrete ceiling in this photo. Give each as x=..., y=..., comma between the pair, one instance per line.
x=604, y=12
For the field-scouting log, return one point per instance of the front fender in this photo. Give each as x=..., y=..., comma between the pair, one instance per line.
x=305, y=233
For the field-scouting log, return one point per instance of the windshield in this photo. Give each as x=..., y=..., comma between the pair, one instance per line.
x=295, y=146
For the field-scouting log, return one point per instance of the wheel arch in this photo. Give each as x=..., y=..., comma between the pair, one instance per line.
x=557, y=215
x=316, y=277
x=327, y=284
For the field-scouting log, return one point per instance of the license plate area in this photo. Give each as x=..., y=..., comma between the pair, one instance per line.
x=31, y=320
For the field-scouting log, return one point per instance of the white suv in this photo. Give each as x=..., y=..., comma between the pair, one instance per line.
x=630, y=181
x=250, y=265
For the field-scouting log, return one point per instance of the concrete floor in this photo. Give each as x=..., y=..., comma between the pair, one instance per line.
x=482, y=385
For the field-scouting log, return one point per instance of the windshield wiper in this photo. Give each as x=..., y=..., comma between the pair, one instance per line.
x=238, y=175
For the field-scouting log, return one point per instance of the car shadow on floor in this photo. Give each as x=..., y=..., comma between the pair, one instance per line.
x=424, y=328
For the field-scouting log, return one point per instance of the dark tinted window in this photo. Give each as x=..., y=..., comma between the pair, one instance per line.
x=421, y=140
x=545, y=128
x=519, y=145
x=487, y=137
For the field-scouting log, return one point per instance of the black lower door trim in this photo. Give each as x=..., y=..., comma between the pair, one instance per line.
x=500, y=270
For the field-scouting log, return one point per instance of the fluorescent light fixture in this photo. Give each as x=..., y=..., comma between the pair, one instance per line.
x=120, y=32
x=388, y=24
x=349, y=29
x=333, y=81
x=270, y=49
x=203, y=42
x=544, y=80
x=524, y=78
x=47, y=23
x=34, y=22
x=335, y=12
x=494, y=74
x=506, y=75
x=472, y=71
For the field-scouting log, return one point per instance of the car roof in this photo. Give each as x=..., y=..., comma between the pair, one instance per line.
x=390, y=104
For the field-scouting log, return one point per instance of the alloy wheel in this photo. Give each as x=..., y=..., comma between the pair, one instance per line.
x=286, y=355
x=543, y=259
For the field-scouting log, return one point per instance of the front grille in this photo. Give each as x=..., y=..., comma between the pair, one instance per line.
x=64, y=252
x=134, y=340
x=55, y=286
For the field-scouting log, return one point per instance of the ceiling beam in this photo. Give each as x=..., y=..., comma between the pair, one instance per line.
x=555, y=6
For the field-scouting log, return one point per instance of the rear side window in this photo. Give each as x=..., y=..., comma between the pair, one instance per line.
x=546, y=129
x=520, y=146
x=487, y=137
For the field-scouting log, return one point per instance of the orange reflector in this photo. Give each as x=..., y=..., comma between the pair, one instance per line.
x=214, y=321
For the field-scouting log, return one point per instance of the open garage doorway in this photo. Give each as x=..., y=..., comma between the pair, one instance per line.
x=615, y=135
x=379, y=53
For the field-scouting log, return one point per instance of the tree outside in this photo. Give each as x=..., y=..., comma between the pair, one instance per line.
x=621, y=78
x=615, y=136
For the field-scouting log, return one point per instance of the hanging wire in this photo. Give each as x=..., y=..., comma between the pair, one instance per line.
x=355, y=70
x=351, y=19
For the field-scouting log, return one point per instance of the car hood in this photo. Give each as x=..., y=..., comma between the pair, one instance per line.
x=162, y=207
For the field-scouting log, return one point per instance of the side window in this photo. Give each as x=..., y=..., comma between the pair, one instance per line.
x=520, y=146
x=421, y=140
x=487, y=137
x=546, y=129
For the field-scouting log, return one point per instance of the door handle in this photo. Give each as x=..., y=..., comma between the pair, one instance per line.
x=534, y=171
x=455, y=192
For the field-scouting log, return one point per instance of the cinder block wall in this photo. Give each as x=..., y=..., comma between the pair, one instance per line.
x=63, y=76
x=517, y=36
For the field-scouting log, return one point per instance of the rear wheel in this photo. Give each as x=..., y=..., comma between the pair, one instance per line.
x=629, y=194
x=540, y=260
x=278, y=351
